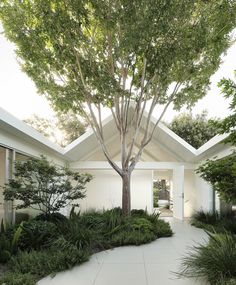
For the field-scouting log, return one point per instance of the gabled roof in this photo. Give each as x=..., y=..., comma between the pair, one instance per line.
x=21, y=130
x=87, y=143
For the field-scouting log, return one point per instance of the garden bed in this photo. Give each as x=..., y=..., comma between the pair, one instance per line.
x=51, y=244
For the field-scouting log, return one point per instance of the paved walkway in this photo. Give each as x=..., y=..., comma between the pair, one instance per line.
x=149, y=264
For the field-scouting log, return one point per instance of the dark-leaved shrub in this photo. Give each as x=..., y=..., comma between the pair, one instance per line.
x=37, y=234
x=214, y=222
x=52, y=218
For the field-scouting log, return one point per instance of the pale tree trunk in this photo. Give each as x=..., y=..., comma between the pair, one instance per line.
x=126, y=195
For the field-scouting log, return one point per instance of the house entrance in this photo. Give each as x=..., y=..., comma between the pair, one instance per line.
x=163, y=192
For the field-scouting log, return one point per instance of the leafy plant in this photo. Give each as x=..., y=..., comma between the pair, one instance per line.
x=228, y=124
x=37, y=234
x=214, y=261
x=61, y=256
x=194, y=130
x=43, y=186
x=8, y=247
x=16, y=278
x=214, y=222
x=221, y=173
x=21, y=217
x=52, y=218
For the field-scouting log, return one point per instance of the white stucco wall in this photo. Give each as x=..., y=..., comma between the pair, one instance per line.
x=29, y=148
x=190, y=193
x=204, y=194
x=105, y=190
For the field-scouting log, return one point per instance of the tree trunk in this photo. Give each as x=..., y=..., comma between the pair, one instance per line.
x=126, y=199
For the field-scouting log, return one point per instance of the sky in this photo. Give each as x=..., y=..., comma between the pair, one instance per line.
x=18, y=94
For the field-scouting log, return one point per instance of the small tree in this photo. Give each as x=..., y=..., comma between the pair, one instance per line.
x=194, y=130
x=43, y=186
x=221, y=174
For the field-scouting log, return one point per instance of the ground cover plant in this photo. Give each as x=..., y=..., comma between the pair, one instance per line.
x=50, y=245
x=214, y=261
x=215, y=222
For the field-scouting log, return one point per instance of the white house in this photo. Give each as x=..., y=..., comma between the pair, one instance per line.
x=166, y=157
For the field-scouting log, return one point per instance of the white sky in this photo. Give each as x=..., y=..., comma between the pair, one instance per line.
x=18, y=94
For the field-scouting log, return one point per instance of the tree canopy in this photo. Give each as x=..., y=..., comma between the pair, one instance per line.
x=86, y=55
x=194, y=130
x=228, y=124
x=221, y=173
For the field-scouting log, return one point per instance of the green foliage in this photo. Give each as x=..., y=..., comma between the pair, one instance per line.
x=194, y=130
x=155, y=197
x=53, y=218
x=221, y=173
x=37, y=234
x=44, y=186
x=21, y=217
x=60, y=257
x=228, y=124
x=49, y=247
x=214, y=261
x=212, y=221
x=9, y=246
x=56, y=41
x=16, y=278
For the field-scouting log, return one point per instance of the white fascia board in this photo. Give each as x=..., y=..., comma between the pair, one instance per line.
x=99, y=165
x=211, y=143
x=13, y=122
x=177, y=138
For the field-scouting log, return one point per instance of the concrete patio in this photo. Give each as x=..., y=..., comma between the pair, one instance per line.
x=150, y=264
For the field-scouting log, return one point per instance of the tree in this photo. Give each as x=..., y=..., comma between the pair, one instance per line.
x=228, y=124
x=43, y=186
x=194, y=130
x=89, y=55
x=221, y=173
x=63, y=129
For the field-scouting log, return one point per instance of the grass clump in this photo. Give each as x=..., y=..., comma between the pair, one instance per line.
x=214, y=222
x=17, y=278
x=47, y=246
x=214, y=261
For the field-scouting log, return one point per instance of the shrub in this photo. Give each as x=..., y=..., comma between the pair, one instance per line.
x=44, y=186
x=21, y=217
x=162, y=229
x=61, y=256
x=8, y=246
x=53, y=218
x=221, y=173
x=16, y=278
x=212, y=221
x=78, y=234
x=37, y=234
x=214, y=261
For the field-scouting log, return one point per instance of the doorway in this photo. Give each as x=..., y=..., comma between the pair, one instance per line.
x=163, y=192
